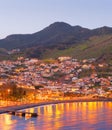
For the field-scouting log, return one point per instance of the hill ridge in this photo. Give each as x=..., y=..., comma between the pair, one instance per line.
x=59, y=36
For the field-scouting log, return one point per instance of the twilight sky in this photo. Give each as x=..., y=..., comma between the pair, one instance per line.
x=29, y=16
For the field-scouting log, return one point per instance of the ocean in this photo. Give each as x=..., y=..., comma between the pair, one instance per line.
x=62, y=116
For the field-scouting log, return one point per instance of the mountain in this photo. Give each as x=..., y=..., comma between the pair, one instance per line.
x=56, y=33
x=60, y=38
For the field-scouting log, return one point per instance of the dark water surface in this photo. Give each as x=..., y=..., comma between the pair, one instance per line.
x=69, y=116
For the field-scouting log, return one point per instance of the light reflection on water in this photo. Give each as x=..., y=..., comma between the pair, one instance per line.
x=69, y=116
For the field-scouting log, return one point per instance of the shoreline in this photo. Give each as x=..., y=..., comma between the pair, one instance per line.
x=30, y=105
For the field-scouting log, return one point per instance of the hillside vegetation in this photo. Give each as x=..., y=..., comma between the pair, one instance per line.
x=94, y=47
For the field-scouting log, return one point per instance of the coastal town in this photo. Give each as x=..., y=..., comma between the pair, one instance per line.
x=59, y=79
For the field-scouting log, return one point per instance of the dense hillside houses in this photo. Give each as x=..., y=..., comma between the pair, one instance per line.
x=63, y=77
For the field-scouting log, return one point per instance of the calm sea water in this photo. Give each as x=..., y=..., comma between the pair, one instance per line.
x=69, y=116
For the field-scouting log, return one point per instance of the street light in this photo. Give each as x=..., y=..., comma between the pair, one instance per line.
x=8, y=91
x=8, y=94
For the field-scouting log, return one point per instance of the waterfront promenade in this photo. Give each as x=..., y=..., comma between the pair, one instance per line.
x=20, y=106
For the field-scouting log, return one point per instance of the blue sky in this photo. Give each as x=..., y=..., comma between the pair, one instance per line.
x=29, y=16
